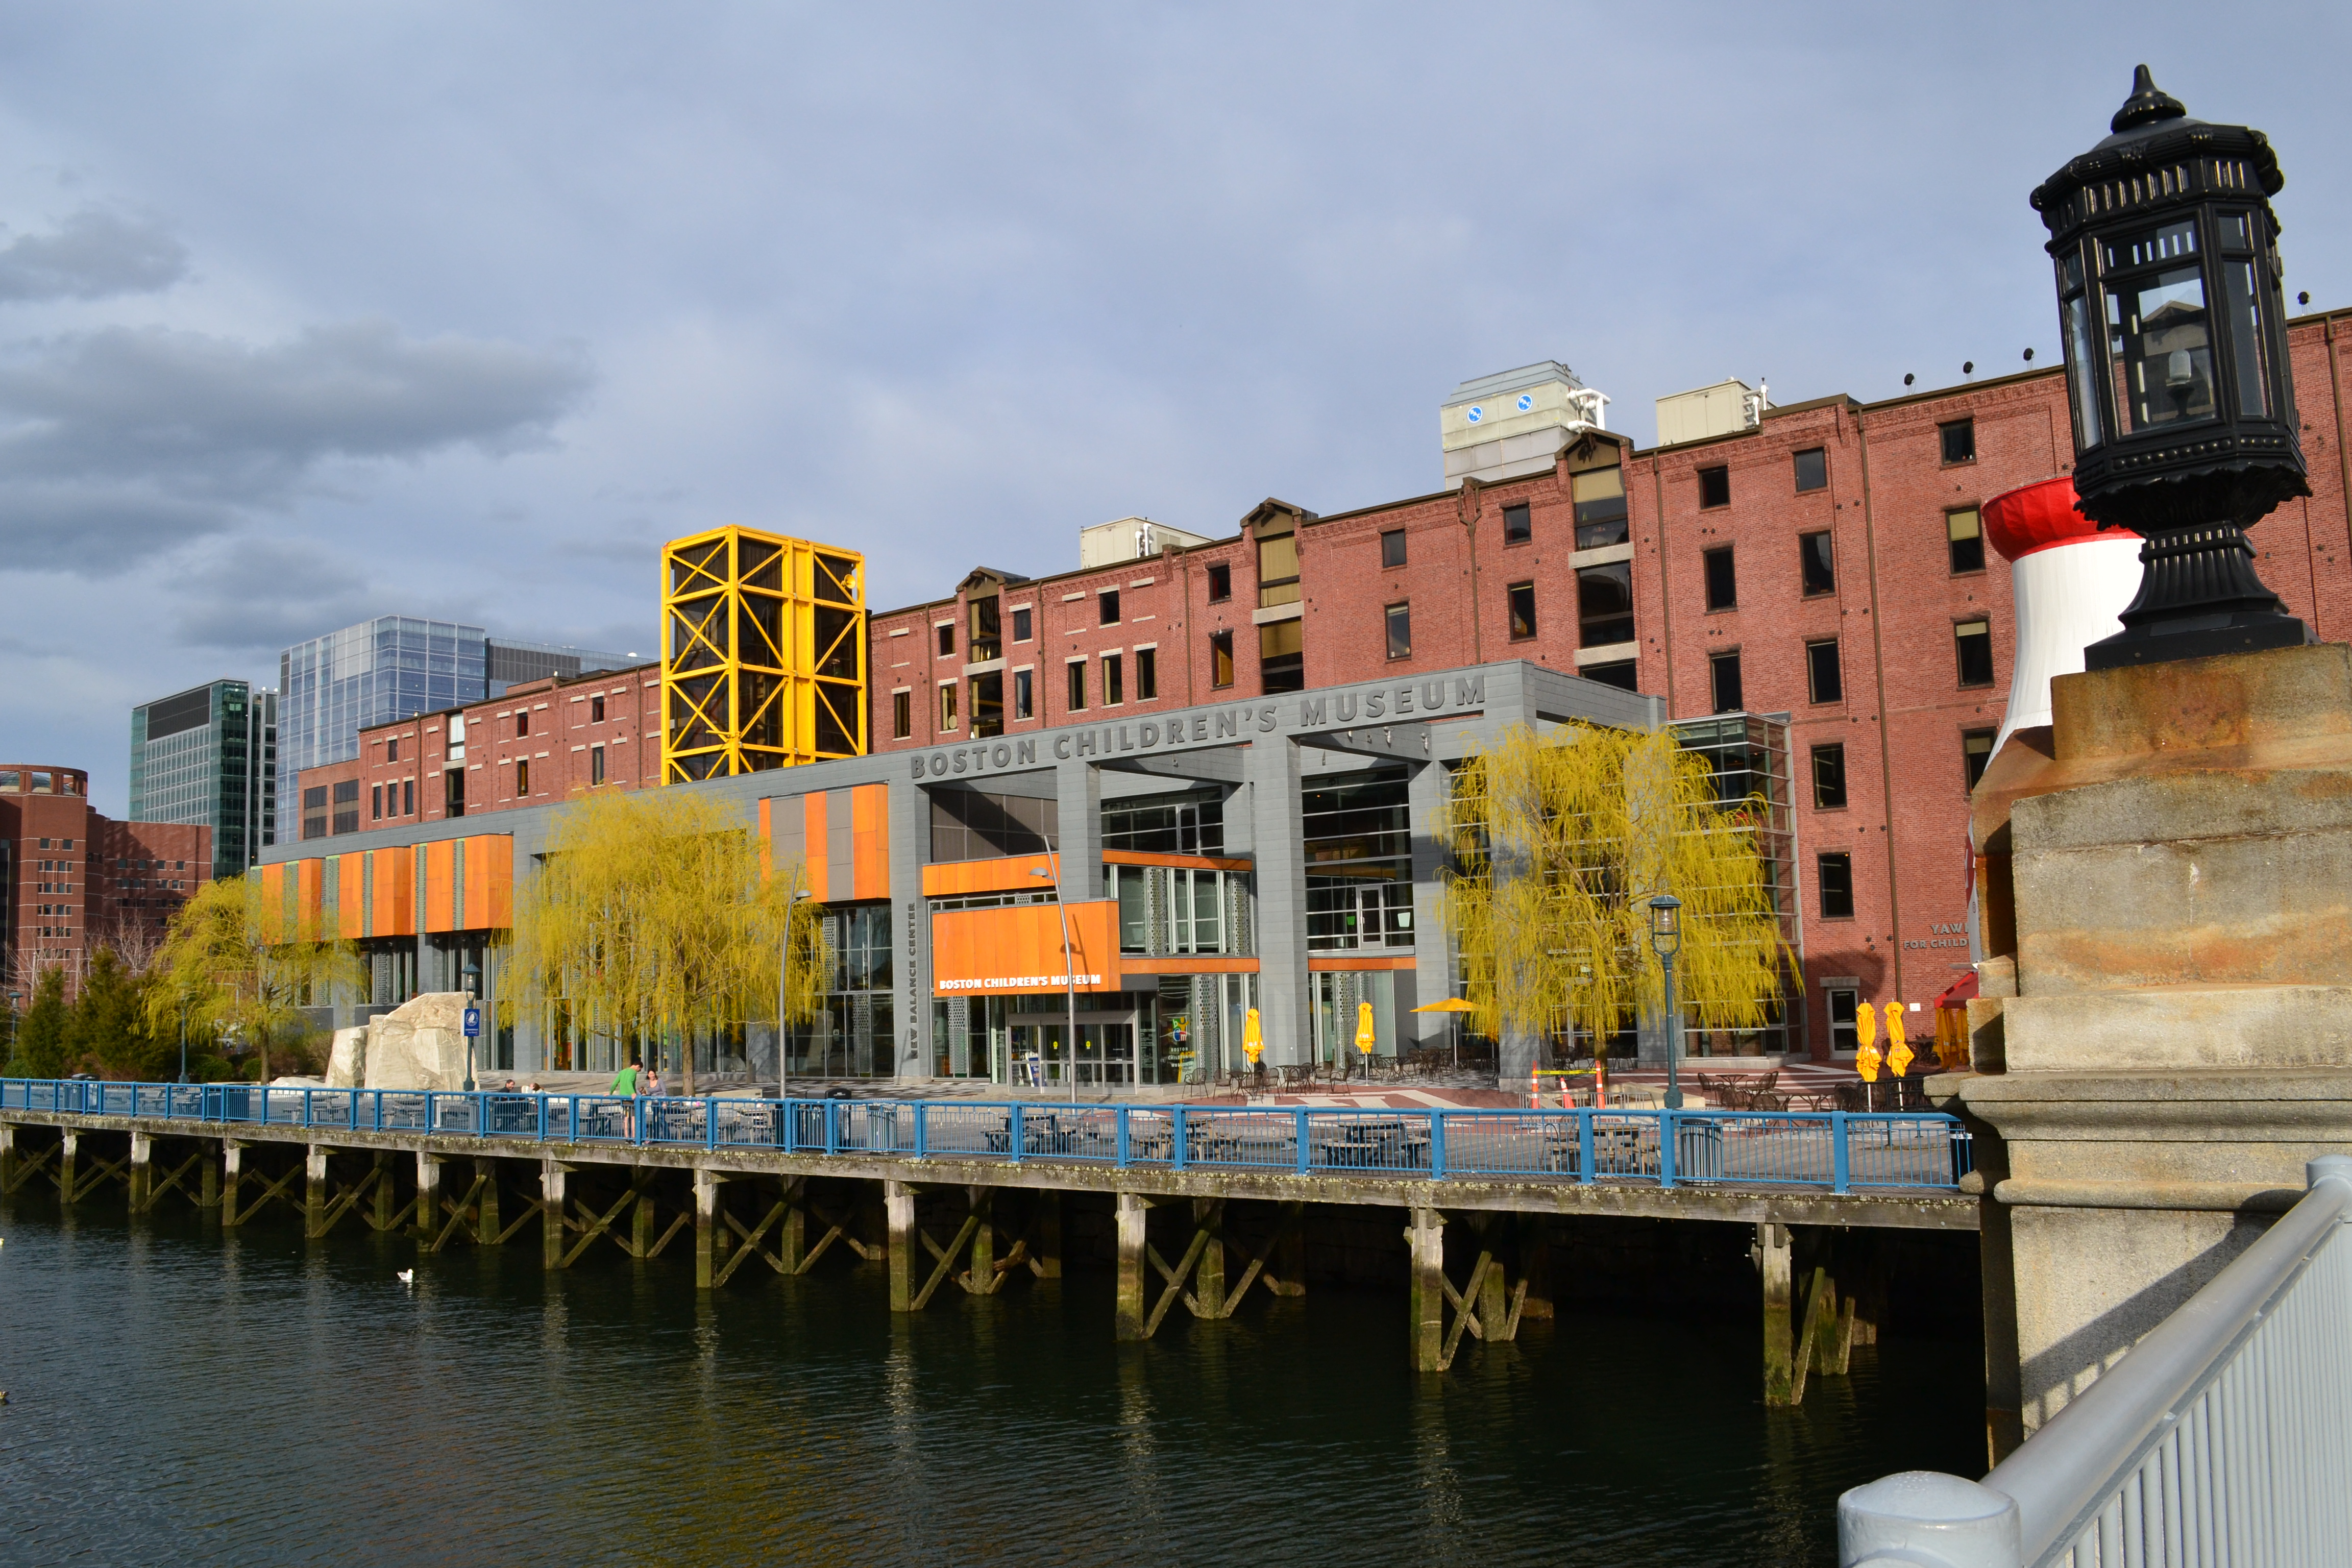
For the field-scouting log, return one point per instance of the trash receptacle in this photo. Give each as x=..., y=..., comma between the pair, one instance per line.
x=1699, y=1149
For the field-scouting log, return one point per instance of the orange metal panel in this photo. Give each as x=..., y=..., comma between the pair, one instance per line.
x=1013, y=872
x=1018, y=947
x=1194, y=862
x=1348, y=963
x=440, y=888
x=309, y=892
x=1188, y=963
x=490, y=881
x=813, y=844
x=767, y=842
x=273, y=886
x=869, y=840
x=395, y=891
x=351, y=905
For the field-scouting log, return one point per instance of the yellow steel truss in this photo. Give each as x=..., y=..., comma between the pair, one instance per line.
x=763, y=654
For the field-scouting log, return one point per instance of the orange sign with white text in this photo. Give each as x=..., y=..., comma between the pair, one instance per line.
x=1018, y=947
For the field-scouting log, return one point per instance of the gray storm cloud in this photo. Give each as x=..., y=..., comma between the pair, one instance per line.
x=93, y=255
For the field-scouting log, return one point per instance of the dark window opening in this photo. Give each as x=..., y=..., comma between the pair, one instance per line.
x=1973, y=642
x=1106, y=607
x=1836, y=873
x=1523, y=611
x=1723, y=677
x=522, y=723
x=1604, y=604
x=595, y=764
x=1964, y=531
x=1618, y=672
x=1518, y=529
x=376, y=801
x=1077, y=692
x=1722, y=580
x=1976, y=751
x=947, y=705
x=453, y=784
x=1714, y=487
x=976, y=825
x=1221, y=658
x=1024, y=700
x=1221, y=584
x=1398, y=618
x=1114, y=685
x=1282, y=657
x=988, y=704
x=1393, y=547
x=984, y=638
x=947, y=640
x=1822, y=676
x=1147, y=674
x=1021, y=624
x=408, y=797
x=595, y=711
x=1819, y=559
x=1812, y=470
x=522, y=778
x=1960, y=440
x=1829, y=777
x=1600, y=497
x=902, y=714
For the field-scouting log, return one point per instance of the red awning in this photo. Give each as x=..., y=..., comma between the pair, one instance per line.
x=1957, y=995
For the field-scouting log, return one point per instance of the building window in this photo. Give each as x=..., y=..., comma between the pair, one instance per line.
x=1722, y=580
x=1221, y=658
x=1844, y=1040
x=1021, y=624
x=1714, y=487
x=1976, y=751
x=347, y=807
x=902, y=714
x=983, y=630
x=1114, y=680
x=1620, y=673
x=1960, y=440
x=1723, y=677
x=522, y=779
x=1829, y=777
x=1393, y=547
x=522, y=722
x=376, y=803
x=1972, y=641
x=1604, y=604
x=947, y=638
x=595, y=764
x=1818, y=560
x=1077, y=695
x=595, y=710
x=987, y=710
x=1024, y=701
x=392, y=749
x=1106, y=607
x=1516, y=527
x=408, y=797
x=1822, y=673
x=1836, y=872
x=1523, y=611
x=1278, y=570
x=1964, y=531
x=1399, y=629
x=947, y=705
x=1600, y=497
x=1282, y=657
x=1221, y=584
x=1812, y=470
x=1147, y=674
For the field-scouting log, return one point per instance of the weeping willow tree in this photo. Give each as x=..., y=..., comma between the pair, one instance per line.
x=1558, y=842
x=655, y=914
x=236, y=961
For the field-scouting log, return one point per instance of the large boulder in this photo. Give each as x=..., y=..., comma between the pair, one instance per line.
x=346, y=1064
x=421, y=1044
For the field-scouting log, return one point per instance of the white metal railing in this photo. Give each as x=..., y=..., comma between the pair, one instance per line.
x=2224, y=1436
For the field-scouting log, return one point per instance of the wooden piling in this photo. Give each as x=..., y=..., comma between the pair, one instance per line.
x=1209, y=1273
x=640, y=1221
x=428, y=1195
x=706, y=1224
x=314, y=1190
x=1127, y=1318
x=7, y=1157
x=899, y=1219
x=68, y=1145
x=1493, y=1304
x=232, y=1175
x=791, y=1230
x=1772, y=1248
x=1425, y=1291
x=384, y=1207
x=485, y=1217
x=143, y=1171
x=982, y=1203
x=208, y=1179
x=551, y=1214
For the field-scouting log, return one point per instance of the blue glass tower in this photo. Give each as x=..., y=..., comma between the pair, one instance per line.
x=330, y=687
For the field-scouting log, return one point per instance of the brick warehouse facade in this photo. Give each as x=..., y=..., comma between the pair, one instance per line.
x=74, y=878
x=1824, y=565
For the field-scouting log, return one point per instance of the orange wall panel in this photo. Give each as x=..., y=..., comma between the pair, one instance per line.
x=351, y=905
x=1018, y=947
x=440, y=887
x=309, y=894
x=869, y=815
x=813, y=844
x=767, y=840
x=395, y=891
x=1012, y=873
x=490, y=881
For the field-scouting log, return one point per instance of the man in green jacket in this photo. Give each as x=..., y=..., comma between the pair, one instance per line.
x=628, y=1082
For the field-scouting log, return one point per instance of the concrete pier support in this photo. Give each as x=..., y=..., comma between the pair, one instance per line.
x=7, y=1159
x=898, y=1219
x=551, y=1214
x=1425, y=1294
x=486, y=1213
x=143, y=1171
x=232, y=1176
x=314, y=1189
x=428, y=1195
x=1134, y=1213
x=1209, y=1273
x=68, y=1145
x=982, y=1202
x=1772, y=1258
x=706, y=1224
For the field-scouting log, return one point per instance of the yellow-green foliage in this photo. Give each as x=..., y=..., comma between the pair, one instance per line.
x=238, y=960
x=1551, y=833
x=654, y=913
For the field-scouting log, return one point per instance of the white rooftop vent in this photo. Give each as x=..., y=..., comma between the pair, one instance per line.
x=1500, y=427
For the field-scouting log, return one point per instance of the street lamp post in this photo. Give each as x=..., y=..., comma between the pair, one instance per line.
x=1666, y=938
x=783, y=984
x=1069, y=966
x=2173, y=325
x=472, y=976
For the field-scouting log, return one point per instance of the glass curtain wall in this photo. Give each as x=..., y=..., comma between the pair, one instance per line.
x=1359, y=843
x=855, y=1035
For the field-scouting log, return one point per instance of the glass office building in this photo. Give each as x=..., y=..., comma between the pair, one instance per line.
x=208, y=757
x=390, y=667
x=511, y=663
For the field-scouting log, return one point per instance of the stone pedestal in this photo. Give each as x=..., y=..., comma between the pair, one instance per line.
x=2167, y=1033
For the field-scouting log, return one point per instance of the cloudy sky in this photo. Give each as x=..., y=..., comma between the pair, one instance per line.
x=314, y=313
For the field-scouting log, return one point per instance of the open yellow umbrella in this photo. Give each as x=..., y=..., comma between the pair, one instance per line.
x=1451, y=1005
x=1253, y=1042
x=1898, y=1053
x=1866, y=1028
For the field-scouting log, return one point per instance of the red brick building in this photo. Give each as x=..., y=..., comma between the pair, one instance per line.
x=76, y=879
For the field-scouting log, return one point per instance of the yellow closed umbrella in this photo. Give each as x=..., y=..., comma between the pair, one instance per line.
x=1898, y=1053
x=1866, y=1028
x=1364, y=1034
x=1253, y=1042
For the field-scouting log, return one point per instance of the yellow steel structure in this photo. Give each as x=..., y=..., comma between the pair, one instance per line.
x=763, y=654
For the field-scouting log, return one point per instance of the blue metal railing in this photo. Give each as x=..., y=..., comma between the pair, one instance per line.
x=1834, y=1152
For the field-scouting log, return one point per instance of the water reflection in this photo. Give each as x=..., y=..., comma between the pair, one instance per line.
x=175, y=1388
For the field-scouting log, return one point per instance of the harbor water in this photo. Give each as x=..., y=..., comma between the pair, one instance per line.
x=181, y=1393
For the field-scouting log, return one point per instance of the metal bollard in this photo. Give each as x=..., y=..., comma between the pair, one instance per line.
x=1923, y=1519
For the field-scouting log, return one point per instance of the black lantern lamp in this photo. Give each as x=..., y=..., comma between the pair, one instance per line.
x=1666, y=940
x=2175, y=330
